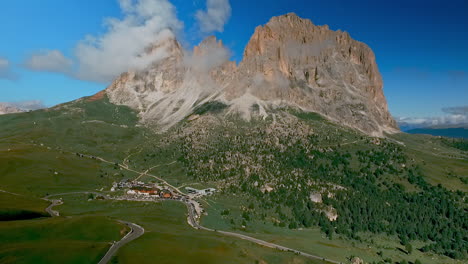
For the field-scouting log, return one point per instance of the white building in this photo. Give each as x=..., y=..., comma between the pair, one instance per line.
x=203, y=192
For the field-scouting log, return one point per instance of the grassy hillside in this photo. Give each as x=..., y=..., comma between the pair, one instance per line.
x=282, y=179
x=38, y=157
x=270, y=172
x=87, y=126
x=57, y=240
x=168, y=238
x=18, y=207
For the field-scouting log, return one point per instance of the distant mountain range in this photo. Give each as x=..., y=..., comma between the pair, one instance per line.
x=455, y=132
x=18, y=107
x=6, y=108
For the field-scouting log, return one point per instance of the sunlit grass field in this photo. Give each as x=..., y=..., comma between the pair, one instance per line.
x=58, y=240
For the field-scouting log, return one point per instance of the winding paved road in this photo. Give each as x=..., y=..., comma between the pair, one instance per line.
x=136, y=232
x=54, y=203
x=192, y=220
x=275, y=246
x=194, y=223
x=70, y=193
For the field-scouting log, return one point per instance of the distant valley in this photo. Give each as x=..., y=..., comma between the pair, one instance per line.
x=443, y=132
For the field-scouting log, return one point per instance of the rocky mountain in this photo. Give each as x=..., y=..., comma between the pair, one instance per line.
x=6, y=108
x=288, y=62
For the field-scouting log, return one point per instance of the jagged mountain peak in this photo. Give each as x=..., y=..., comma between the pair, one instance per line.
x=207, y=43
x=288, y=62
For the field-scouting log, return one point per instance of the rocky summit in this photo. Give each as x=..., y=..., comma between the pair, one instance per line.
x=287, y=62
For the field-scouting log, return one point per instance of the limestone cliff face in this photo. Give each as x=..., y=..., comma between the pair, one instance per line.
x=288, y=62
x=320, y=70
x=170, y=89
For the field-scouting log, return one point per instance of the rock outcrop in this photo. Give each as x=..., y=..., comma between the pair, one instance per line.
x=288, y=62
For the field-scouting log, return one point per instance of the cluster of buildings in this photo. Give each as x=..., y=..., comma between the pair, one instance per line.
x=125, y=184
x=155, y=192
x=138, y=188
x=140, y=191
x=204, y=192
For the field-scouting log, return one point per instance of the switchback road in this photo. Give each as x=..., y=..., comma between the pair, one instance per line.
x=192, y=221
x=136, y=232
x=54, y=203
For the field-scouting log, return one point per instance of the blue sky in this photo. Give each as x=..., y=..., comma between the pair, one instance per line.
x=421, y=46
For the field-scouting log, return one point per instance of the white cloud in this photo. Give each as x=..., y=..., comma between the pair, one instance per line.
x=6, y=71
x=459, y=110
x=123, y=47
x=215, y=17
x=126, y=42
x=454, y=116
x=433, y=121
x=145, y=23
x=49, y=60
x=210, y=54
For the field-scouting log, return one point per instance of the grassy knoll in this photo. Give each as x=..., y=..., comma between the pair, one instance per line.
x=90, y=127
x=58, y=240
x=37, y=170
x=169, y=239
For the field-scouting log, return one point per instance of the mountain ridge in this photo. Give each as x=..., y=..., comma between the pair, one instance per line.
x=288, y=62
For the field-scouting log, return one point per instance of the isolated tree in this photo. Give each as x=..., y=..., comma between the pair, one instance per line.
x=409, y=248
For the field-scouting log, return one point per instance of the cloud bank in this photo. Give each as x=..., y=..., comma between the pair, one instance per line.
x=454, y=116
x=123, y=47
x=129, y=43
x=461, y=110
x=210, y=54
x=215, y=16
x=5, y=70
